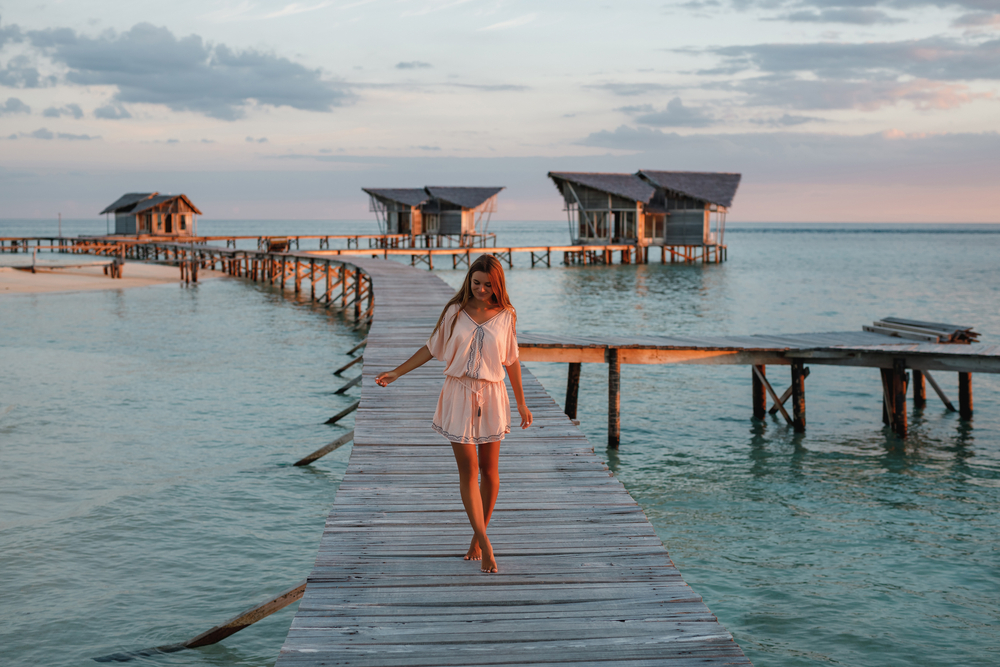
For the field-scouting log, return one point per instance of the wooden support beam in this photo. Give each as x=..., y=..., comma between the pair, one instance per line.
x=219, y=632
x=614, y=398
x=343, y=413
x=785, y=395
x=348, y=365
x=326, y=449
x=572, y=389
x=940, y=392
x=356, y=381
x=798, y=397
x=357, y=347
x=774, y=396
x=965, y=395
x=759, y=393
x=919, y=390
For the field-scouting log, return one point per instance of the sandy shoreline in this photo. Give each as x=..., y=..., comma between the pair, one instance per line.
x=90, y=278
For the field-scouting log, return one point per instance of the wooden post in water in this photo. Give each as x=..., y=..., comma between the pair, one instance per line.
x=886, y=396
x=614, y=398
x=899, y=424
x=298, y=276
x=357, y=294
x=798, y=397
x=759, y=394
x=572, y=389
x=919, y=390
x=965, y=395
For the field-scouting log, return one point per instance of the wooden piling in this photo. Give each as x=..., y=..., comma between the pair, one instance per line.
x=798, y=397
x=572, y=389
x=919, y=390
x=899, y=424
x=887, y=395
x=759, y=393
x=965, y=395
x=614, y=398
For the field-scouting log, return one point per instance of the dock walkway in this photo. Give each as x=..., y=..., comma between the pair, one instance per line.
x=583, y=578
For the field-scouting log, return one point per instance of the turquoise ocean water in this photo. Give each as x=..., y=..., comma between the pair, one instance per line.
x=146, y=437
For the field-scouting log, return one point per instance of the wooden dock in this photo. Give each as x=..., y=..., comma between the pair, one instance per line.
x=893, y=353
x=583, y=578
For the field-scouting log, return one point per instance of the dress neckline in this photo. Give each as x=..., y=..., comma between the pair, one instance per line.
x=487, y=321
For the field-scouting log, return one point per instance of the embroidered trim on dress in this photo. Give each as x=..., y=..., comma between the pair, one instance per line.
x=471, y=441
x=476, y=352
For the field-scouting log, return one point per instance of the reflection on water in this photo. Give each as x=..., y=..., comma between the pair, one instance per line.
x=146, y=492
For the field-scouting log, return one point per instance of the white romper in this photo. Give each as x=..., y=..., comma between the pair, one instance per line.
x=474, y=407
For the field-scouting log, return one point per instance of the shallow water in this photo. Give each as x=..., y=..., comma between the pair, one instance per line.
x=146, y=492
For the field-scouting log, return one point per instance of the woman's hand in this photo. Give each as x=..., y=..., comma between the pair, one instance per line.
x=385, y=379
x=525, y=413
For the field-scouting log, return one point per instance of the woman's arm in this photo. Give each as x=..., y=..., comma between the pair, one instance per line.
x=514, y=373
x=419, y=358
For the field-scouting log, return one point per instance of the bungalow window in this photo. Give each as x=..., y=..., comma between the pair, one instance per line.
x=148, y=227
x=159, y=222
x=183, y=222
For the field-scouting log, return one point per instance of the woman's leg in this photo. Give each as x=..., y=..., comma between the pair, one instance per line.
x=489, y=488
x=468, y=475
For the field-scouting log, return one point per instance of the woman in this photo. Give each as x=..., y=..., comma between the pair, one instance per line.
x=476, y=338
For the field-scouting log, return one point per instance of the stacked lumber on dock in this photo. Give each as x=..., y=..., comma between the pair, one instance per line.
x=929, y=332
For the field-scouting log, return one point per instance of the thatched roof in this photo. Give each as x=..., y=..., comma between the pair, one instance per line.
x=464, y=197
x=712, y=187
x=628, y=186
x=127, y=201
x=405, y=196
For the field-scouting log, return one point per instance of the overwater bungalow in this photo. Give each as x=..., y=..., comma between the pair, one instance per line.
x=150, y=213
x=461, y=212
x=398, y=209
x=658, y=208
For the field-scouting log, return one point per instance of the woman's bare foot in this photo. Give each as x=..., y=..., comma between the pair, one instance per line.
x=489, y=562
x=474, y=552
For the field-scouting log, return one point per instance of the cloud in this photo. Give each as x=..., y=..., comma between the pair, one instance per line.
x=429, y=148
x=48, y=135
x=413, y=64
x=73, y=110
x=490, y=88
x=787, y=120
x=20, y=72
x=14, y=105
x=933, y=58
x=261, y=140
x=978, y=20
x=637, y=108
x=835, y=5
x=676, y=115
x=794, y=93
x=112, y=112
x=10, y=33
x=512, y=23
x=852, y=15
x=632, y=89
x=150, y=65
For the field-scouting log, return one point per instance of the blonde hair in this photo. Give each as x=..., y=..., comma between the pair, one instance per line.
x=492, y=267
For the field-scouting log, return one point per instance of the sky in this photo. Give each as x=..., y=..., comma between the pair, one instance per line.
x=833, y=110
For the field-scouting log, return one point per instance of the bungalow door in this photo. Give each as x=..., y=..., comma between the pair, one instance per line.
x=168, y=225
